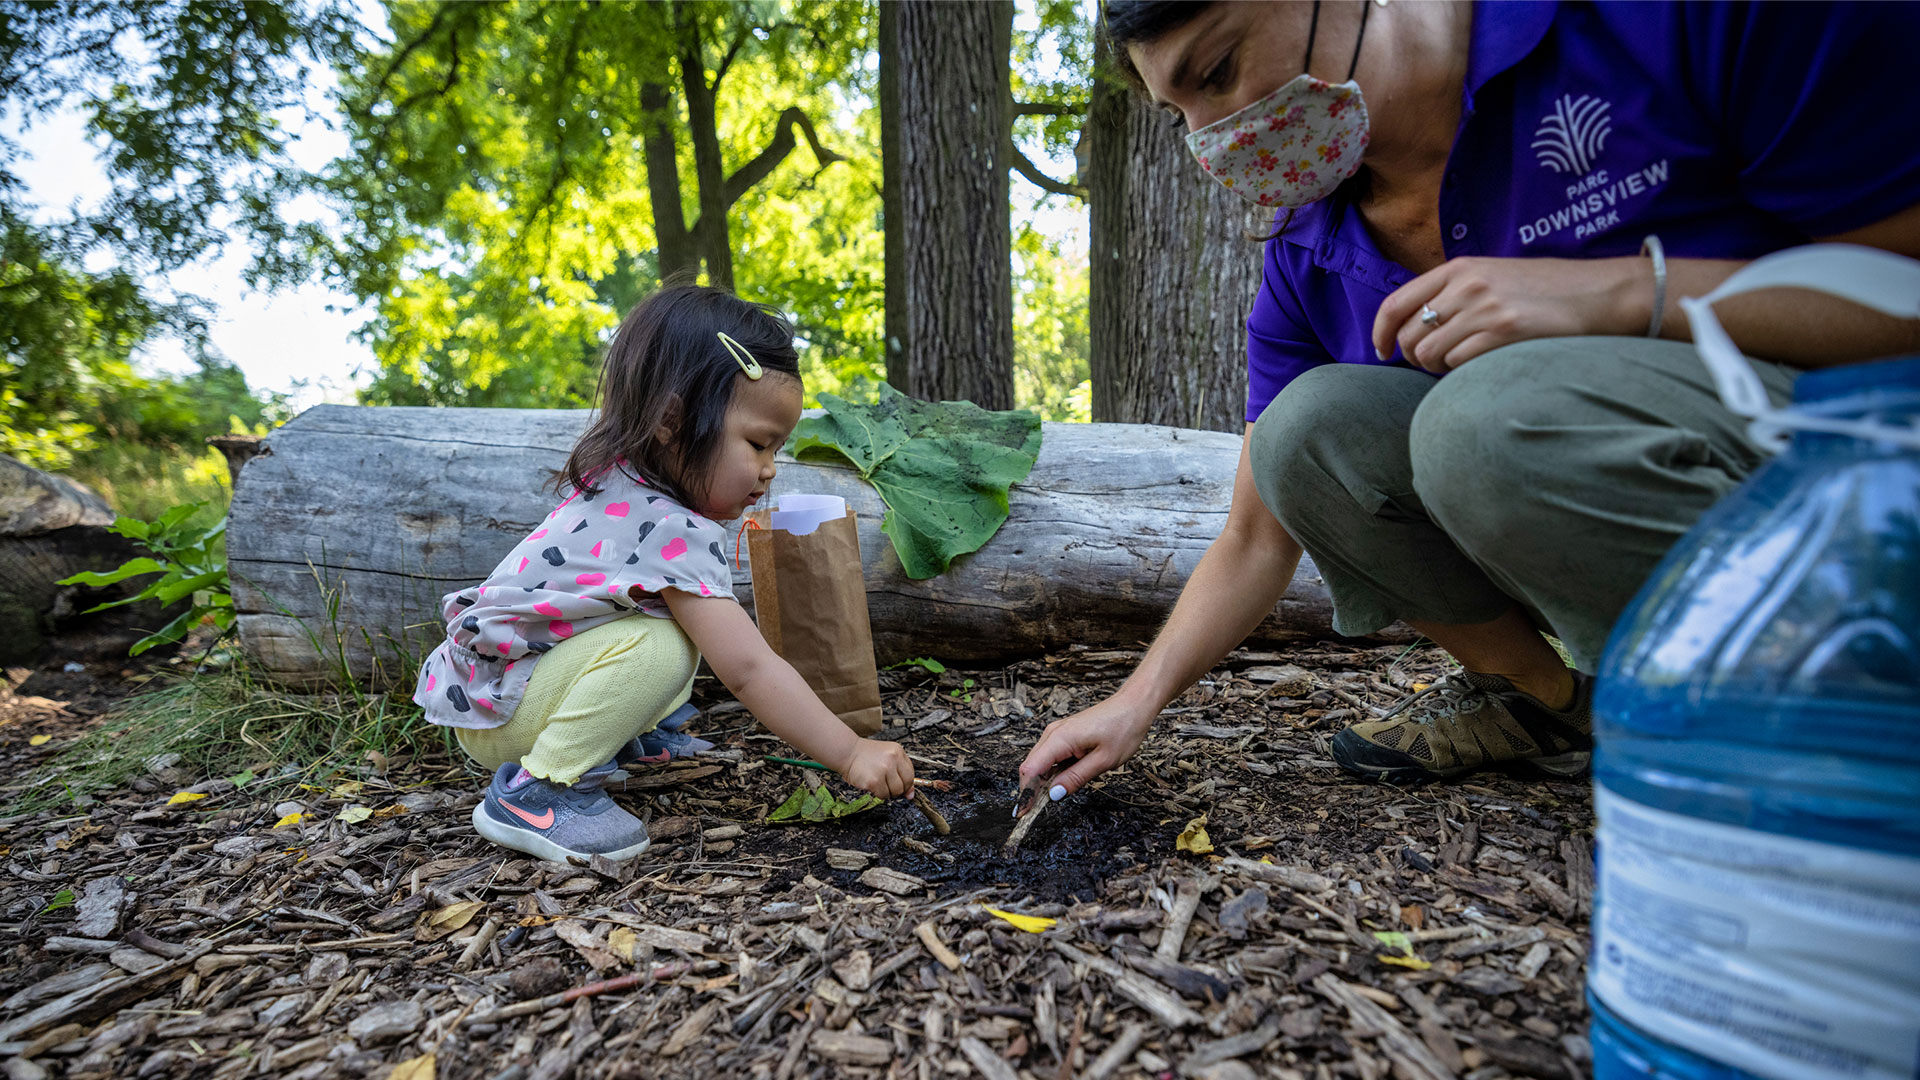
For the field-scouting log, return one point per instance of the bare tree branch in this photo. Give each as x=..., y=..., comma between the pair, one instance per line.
x=733, y=50
x=769, y=159
x=1025, y=108
x=1041, y=180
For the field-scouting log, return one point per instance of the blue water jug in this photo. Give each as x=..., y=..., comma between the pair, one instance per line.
x=1757, y=767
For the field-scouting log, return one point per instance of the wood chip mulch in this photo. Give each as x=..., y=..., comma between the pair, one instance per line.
x=1334, y=929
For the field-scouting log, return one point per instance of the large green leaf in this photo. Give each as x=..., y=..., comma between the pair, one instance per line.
x=943, y=468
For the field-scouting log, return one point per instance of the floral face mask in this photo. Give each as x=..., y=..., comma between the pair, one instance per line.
x=1294, y=146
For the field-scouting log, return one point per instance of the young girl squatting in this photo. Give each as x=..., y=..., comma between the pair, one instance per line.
x=563, y=665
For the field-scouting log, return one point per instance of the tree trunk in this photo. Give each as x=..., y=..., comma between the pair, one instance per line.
x=946, y=101
x=346, y=535
x=1172, y=274
x=679, y=256
x=714, y=238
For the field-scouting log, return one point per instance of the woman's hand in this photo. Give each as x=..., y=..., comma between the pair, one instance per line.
x=1486, y=303
x=880, y=767
x=1094, y=741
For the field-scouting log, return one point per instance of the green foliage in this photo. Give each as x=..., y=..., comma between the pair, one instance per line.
x=191, y=566
x=502, y=202
x=943, y=468
x=182, y=96
x=812, y=802
x=925, y=663
x=1051, y=342
x=141, y=480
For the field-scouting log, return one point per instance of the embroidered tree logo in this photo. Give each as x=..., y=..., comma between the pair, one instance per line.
x=1572, y=134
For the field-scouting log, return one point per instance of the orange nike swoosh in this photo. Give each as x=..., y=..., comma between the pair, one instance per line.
x=543, y=821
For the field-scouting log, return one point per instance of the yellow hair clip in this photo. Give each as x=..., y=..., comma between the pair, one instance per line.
x=742, y=357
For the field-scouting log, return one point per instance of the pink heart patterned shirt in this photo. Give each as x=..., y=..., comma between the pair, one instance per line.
x=594, y=559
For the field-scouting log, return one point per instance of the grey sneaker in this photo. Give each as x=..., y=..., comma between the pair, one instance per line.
x=678, y=718
x=553, y=821
x=1466, y=722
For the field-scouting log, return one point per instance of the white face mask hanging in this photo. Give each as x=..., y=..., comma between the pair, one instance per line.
x=1877, y=279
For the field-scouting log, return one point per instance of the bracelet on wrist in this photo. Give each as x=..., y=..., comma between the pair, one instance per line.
x=1652, y=248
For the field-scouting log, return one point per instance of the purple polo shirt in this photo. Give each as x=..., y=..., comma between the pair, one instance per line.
x=1730, y=130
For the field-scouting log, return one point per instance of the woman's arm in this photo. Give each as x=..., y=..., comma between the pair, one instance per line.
x=1485, y=303
x=779, y=698
x=1239, y=580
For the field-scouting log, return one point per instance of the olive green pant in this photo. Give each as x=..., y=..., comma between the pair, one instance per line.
x=1553, y=474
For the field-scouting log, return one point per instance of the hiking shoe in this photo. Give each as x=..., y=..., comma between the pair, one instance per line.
x=555, y=821
x=1466, y=722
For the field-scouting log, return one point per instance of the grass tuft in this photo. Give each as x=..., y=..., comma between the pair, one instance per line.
x=223, y=721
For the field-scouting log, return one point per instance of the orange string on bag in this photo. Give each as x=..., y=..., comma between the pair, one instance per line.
x=742, y=535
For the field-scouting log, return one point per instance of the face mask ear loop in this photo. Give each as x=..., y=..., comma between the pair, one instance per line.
x=1366, y=9
x=1313, y=31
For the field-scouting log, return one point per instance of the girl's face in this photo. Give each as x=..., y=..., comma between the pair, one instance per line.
x=761, y=417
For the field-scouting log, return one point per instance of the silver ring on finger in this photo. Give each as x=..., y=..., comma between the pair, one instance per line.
x=1429, y=318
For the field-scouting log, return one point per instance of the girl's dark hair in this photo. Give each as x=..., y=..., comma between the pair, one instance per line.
x=666, y=367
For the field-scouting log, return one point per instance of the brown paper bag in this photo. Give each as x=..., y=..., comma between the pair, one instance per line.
x=810, y=599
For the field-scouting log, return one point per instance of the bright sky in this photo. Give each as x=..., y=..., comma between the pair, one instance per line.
x=286, y=341
x=301, y=341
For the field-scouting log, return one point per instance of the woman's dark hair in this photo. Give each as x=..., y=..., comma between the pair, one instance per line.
x=666, y=367
x=1133, y=22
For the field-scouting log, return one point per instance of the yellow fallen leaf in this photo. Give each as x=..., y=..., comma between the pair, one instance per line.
x=347, y=790
x=620, y=942
x=420, y=1068
x=40, y=740
x=353, y=815
x=390, y=811
x=1419, y=686
x=185, y=797
x=1032, y=924
x=1194, y=837
x=290, y=819
x=1396, y=939
x=454, y=916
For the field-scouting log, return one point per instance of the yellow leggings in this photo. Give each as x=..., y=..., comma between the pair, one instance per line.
x=590, y=695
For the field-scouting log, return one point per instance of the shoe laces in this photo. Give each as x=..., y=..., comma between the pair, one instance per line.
x=1449, y=696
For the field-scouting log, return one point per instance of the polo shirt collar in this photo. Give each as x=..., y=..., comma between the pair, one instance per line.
x=1502, y=35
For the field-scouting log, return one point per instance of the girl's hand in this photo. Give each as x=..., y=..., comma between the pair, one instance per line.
x=880, y=767
x=1485, y=303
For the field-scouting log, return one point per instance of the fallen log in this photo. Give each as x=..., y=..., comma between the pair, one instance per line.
x=51, y=528
x=353, y=522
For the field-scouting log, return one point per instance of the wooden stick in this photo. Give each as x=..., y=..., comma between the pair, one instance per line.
x=1173, y=934
x=1041, y=797
x=478, y=944
x=1118, y=1052
x=567, y=997
x=926, y=807
x=931, y=938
